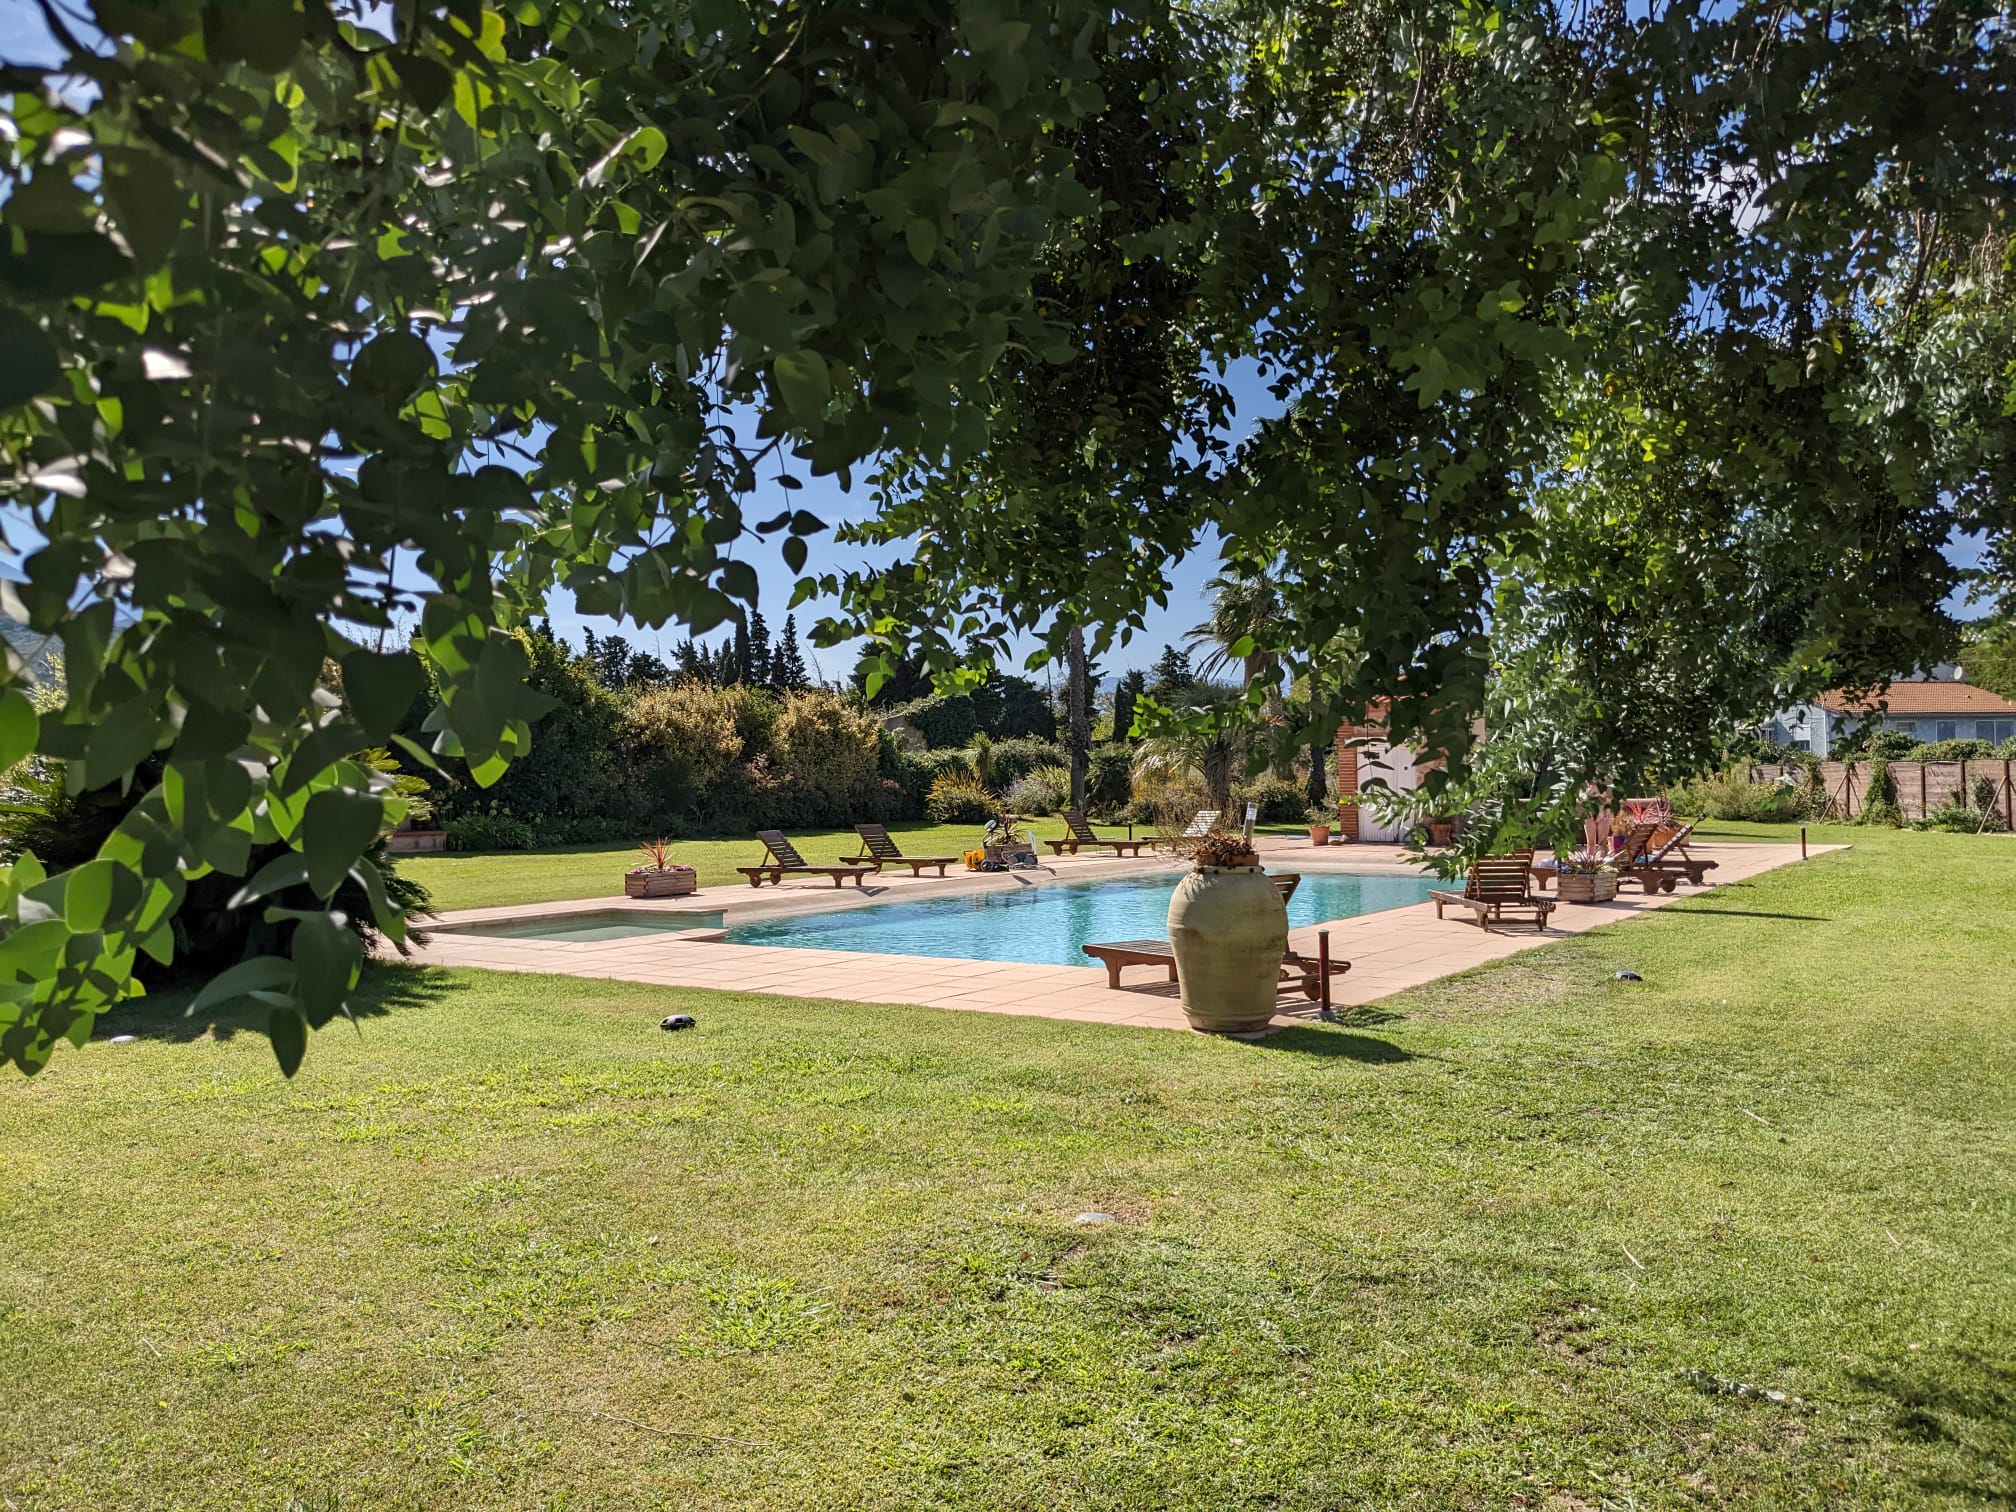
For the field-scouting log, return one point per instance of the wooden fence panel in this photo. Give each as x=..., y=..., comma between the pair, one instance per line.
x=1919, y=787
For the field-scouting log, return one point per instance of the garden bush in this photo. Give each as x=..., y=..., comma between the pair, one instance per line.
x=827, y=755
x=1013, y=759
x=678, y=743
x=1279, y=800
x=65, y=829
x=1109, y=779
x=1167, y=803
x=1950, y=750
x=955, y=798
x=915, y=771
x=1879, y=805
x=1732, y=795
x=573, y=769
x=494, y=828
x=943, y=722
x=1044, y=790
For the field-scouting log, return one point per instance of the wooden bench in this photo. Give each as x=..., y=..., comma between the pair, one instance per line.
x=878, y=851
x=1081, y=834
x=1497, y=884
x=1296, y=968
x=786, y=862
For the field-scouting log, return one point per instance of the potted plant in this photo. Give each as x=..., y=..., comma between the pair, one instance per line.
x=1585, y=877
x=1441, y=830
x=1008, y=842
x=1229, y=929
x=659, y=876
x=1318, y=816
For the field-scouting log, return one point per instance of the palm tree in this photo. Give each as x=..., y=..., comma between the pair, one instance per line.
x=1242, y=609
x=1203, y=755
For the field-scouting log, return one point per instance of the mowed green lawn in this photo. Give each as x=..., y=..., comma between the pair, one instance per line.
x=479, y=881
x=1507, y=1241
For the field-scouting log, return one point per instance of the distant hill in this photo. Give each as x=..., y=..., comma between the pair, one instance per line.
x=34, y=648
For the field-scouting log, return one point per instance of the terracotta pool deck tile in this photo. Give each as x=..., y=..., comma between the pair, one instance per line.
x=1389, y=951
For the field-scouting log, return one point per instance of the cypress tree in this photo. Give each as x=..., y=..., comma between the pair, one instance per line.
x=787, y=664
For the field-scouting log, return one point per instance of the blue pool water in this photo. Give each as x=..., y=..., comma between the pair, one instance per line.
x=1046, y=926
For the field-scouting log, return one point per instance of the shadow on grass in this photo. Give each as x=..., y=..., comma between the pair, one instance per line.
x=1307, y=1039
x=1962, y=1403
x=164, y=1015
x=1753, y=913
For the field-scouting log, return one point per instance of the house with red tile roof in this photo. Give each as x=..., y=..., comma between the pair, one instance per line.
x=1934, y=709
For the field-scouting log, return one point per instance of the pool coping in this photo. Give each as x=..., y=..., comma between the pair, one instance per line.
x=1390, y=950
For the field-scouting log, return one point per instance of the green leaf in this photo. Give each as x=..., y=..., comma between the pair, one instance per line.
x=392, y=366
x=87, y=895
x=277, y=875
x=390, y=921
x=327, y=957
x=59, y=265
x=289, y=1033
x=381, y=688
x=28, y=362
x=265, y=33
x=150, y=207
x=19, y=725
x=337, y=827
x=260, y=974
x=426, y=83
x=804, y=382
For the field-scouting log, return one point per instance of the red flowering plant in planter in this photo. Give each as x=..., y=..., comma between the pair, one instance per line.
x=659, y=876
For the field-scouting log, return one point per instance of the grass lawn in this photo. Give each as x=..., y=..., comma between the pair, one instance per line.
x=478, y=881
x=1493, y=1245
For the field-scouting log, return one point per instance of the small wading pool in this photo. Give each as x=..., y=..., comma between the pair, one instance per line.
x=1048, y=926
x=585, y=928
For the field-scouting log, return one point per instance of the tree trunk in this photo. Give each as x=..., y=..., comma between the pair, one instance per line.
x=1079, y=714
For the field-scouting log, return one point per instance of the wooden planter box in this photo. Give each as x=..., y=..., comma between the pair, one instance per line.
x=1587, y=887
x=674, y=882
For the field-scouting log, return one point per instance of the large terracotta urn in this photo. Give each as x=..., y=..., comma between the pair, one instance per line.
x=1229, y=929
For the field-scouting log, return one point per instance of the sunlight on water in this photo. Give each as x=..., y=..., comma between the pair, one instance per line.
x=1047, y=926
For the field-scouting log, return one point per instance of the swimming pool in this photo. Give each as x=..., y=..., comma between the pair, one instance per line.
x=1047, y=926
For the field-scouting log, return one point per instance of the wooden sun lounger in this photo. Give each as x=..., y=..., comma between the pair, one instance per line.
x=878, y=851
x=1497, y=884
x=1658, y=870
x=786, y=862
x=1081, y=834
x=1296, y=969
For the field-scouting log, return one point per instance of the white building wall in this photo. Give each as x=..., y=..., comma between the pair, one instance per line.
x=1392, y=766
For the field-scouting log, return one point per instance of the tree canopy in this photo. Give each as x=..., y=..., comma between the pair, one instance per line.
x=321, y=314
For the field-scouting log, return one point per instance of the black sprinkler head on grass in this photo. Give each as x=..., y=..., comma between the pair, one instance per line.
x=676, y=1021
x=1622, y=976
